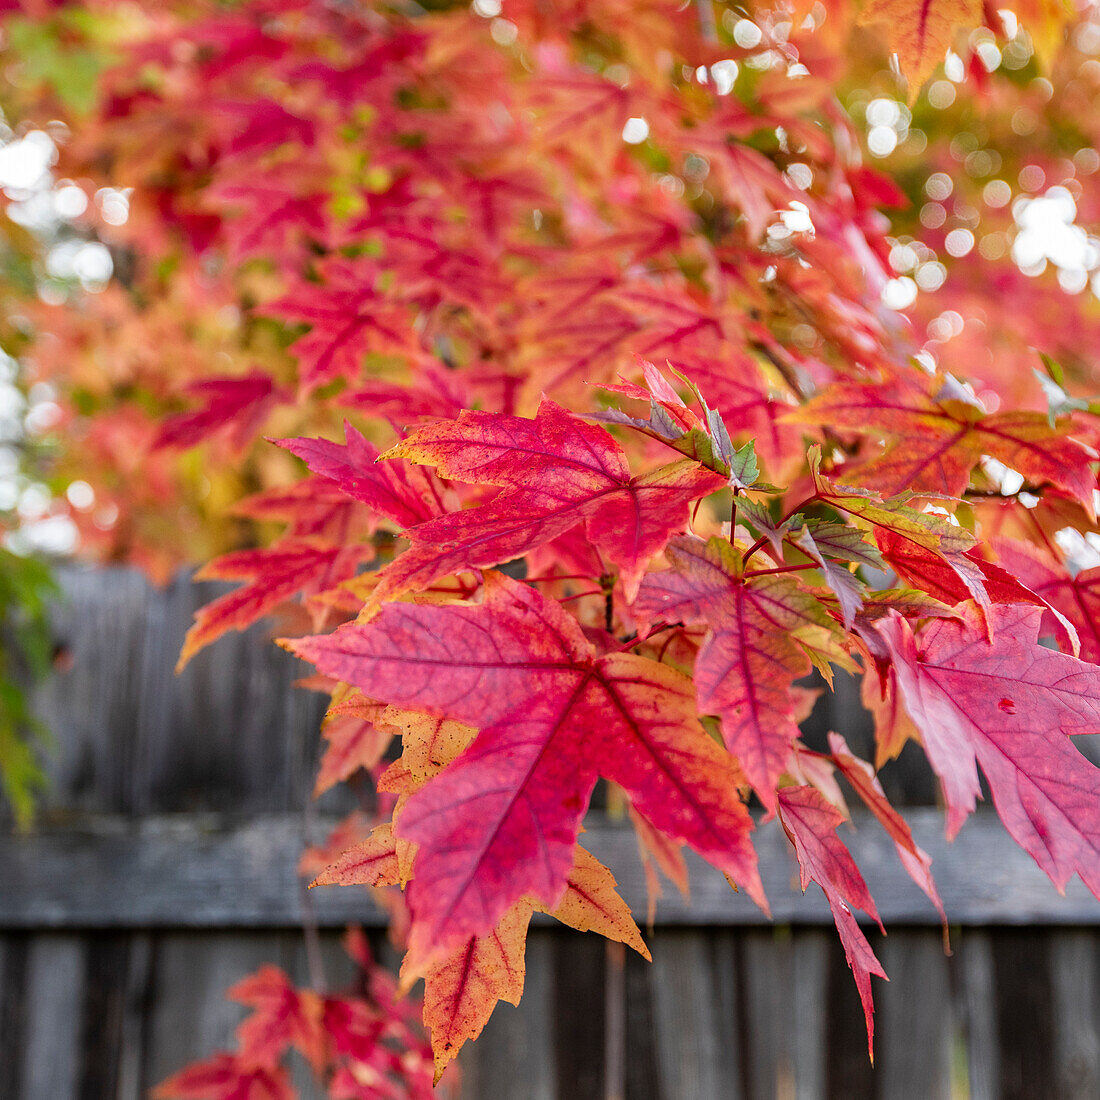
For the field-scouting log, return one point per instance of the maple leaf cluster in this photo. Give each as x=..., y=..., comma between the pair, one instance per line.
x=631, y=446
x=364, y=1044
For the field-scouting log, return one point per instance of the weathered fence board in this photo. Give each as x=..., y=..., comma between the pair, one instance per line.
x=131, y=737
x=205, y=871
x=163, y=870
x=694, y=1020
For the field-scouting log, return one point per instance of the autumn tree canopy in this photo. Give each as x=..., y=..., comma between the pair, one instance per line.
x=573, y=380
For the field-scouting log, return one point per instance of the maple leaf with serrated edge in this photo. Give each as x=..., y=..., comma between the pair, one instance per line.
x=752, y=653
x=352, y=743
x=275, y=574
x=591, y=903
x=893, y=727
x=383, y=859
x=1075, y=596
x=810, y=821
x=845, y=585
x=344, y=835
x=428, y=743
x=267, y=215
x=1010, y=706
x=923, y=529
x=461, y=992
x=282, y=1016
x=860, y=774
x=555, y=472
x=935, y=444
x=404, y=494
x=757, y=513
x=314, y=507
x=500, y=822
x=927, y=572
x=348, y=318
x=706, y=440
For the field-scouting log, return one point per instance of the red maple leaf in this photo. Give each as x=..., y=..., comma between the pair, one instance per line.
x=1010, y=705
x=265, y=215
x=238, y=404
x=753, y=652
x=502, y=820
x=928, y=572
x=282, y=1016
x=556, y=472
x=348, y=317
x=1076, y=596
x=405, y=495
x=810, y=821
x=934, y=443
x=352, y=743
x=274, y=575
x=860, y=774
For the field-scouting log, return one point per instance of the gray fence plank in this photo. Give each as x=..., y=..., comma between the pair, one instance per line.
x=914, y=1027
x=701, y=1037
x=116, y=978
x=810, y=957
x=131, y=1050
x=579, y=971
x=641, y=1070
x=978, y=995
x=697, y=1054
x=1073, y=966
x=89, y=703
x=54, y=996
x=1025, y=1023
x=13, y=985
x=769, y=1020
x=130, y=736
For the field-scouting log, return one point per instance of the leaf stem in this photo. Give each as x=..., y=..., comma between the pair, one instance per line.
x=781, y=569
x=561, y=577
x=580, y=595
x=631, y=643
x=760, y=542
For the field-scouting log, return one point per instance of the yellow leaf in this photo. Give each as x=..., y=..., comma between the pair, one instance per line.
x=921, y=32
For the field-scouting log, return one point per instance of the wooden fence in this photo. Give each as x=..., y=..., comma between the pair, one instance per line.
x=162, y=870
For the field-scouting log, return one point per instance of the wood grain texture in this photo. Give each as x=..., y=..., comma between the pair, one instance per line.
x=229, y=734
x=697, y=1052
x=218, y=872
x=14, y=959
x=642, y=1076
x=768, y=1024
x=1025, y=1015
x=810, y=956
x=977, y=998
x=698, y=1018
x=915, y=1025
x=1074, y=975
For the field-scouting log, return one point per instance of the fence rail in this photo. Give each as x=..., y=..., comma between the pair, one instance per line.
x=163, y=870
x=202, y=871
